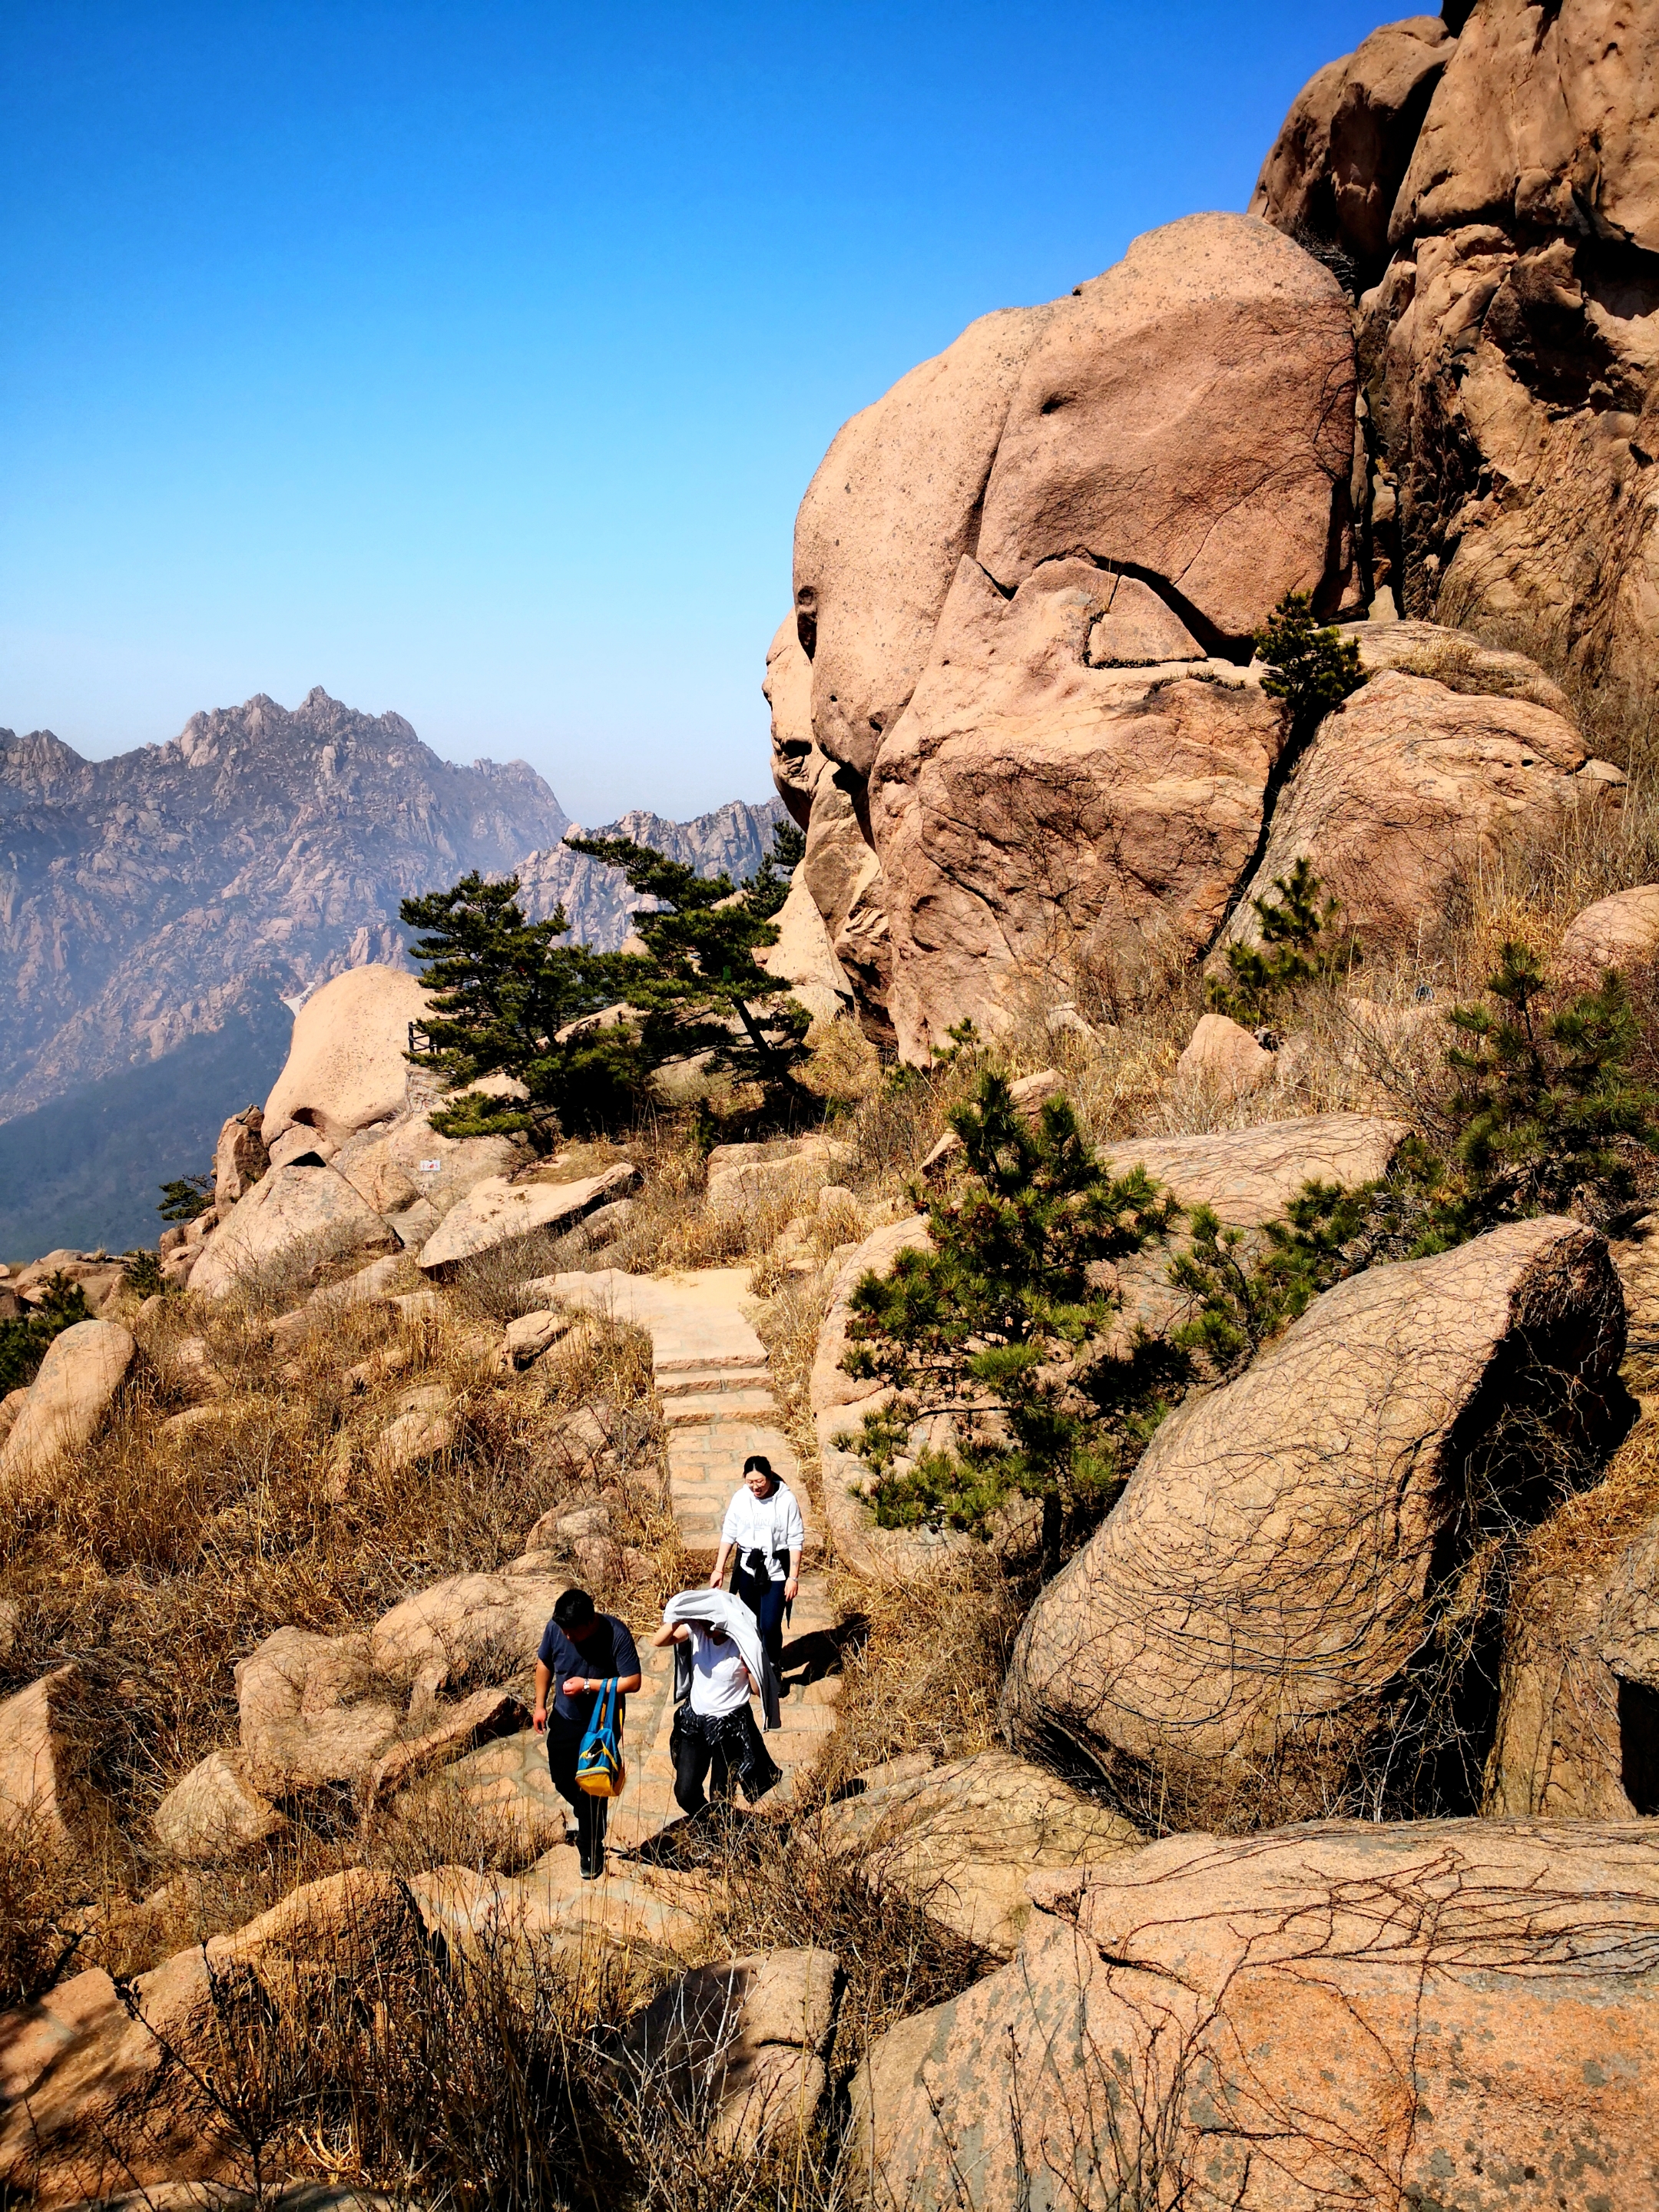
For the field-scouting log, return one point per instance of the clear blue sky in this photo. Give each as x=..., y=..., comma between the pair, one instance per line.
x=472, y=359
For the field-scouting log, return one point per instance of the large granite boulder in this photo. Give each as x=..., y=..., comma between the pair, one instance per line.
x=1040, y=796
x=48, y=1733
x=1450, y=2013
x=894, y=505
x=741, y=2045
x=292, y=1225
x=84, y=1367
x=240, y=1158
x=1174, y=440
x=965, y=1836
x=1508, y=349
x=1188, y=415
x=345, y=1066
x=310, y=1714
x=1338, y=163
x=1578, y=1723
x=1621, y=931
x=1264, y=1621
x=454, y=1626
x=412, y=1177
x=499, y=1216
x=213, y=1813
x=1408, y=786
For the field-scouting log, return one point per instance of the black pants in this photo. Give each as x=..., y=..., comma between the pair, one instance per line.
x=564, y=1741
x=726, y=1751
x=765, y=1598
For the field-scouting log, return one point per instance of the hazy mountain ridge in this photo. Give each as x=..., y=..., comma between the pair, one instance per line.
x=598, y=904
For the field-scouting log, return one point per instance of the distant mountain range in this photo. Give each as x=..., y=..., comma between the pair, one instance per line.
x=162, y=912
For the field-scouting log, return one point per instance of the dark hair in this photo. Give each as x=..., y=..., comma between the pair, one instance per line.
x=574, y=1609
x=759, y=1460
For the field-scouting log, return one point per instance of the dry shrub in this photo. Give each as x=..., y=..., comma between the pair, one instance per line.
x=926, y=1673
x=786, y=1890
x=842, y=1066
x=38, y=1888
x=1587, y=1528
x=789, y=1326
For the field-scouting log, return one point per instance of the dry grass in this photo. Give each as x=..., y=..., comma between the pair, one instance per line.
x=1588, y=1527
x=161, y=1557
x=926, y=1673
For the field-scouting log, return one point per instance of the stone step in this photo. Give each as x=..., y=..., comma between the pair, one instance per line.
x=719, y=1405
x=685, y=1383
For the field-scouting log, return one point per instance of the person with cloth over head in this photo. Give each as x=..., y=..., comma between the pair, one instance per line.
x=764, y=1528
x=720, y=1661
x=581, y=1651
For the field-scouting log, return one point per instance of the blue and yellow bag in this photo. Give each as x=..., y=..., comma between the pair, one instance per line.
x=600, y=1767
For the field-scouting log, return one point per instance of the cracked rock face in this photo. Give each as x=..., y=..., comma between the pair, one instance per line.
x=1452, y=2012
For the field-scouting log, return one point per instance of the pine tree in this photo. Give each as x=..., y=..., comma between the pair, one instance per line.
x=698, y=985
x=1302, y=947
x=185, y=1197
x=1312, y=668
x=1004, y=1325
x=503, y=989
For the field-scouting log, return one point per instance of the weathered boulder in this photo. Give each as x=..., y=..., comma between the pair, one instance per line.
x=345, y=1066
x=1621, y=931
x=240, y=1158
x=1249, y=1175
x=894, y=506
x=533, y=1333
x=787, y=691
x=496, y=1214
x=453, y=1731
x=1031, y=804
x=46, y=1739
x=100, y=1278
x=1578, y=1720
x=743, y=2043
x=84, y=1367
x=293, y=1223
x=1338, y=161
x=1189, y=414
x=1453, y=2013
x=105, y=2097
x=1549, y=118
x=422, y=1423
x=215, y=1813
x=1455, y=658
x=740, y=1176
x=964, y=1835
x=1264, y=1607
x=449, y=1629
x=1403, y=788
x=414, y=1177
x=1223, y=1056
x=309, y=1714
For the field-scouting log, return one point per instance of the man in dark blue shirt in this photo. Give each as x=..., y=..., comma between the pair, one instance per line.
x=580, y=1651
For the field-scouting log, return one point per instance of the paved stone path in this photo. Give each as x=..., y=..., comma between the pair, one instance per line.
x=712, y=1377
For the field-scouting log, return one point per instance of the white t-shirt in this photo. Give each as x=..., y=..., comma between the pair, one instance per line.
x=720, y=1680
x=771, y=1524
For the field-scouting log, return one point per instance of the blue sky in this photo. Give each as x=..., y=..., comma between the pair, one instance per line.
x=472, y=359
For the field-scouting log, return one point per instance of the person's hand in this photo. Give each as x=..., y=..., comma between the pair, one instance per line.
x=715, y=1579
x=575, y=1686
x=792, y=1588
x=539, y=1721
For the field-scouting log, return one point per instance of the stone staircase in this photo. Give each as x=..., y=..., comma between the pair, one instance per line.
x=713, y=1383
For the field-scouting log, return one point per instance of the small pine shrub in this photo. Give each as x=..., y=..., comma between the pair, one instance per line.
x=1311, y=667
x=1300, y=945
x=24, y=1342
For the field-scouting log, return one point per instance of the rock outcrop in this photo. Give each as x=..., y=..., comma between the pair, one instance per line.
x=46, y=1736
x=1012, y=574
x=346, y=1066
x=69, y=1398
x=1448, y=2014
x=1408, y=786
x=1266, y=1603
x=1621, y=931
x=497, y=1215
x=1509, y=329
x=240, y=1158
x=294, y=1223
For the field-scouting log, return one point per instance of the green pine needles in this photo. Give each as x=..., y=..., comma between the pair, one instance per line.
x=1300, y=945
x=1311, y=667
x=505, y=996
x=509, y=1000
x=1005, y=1328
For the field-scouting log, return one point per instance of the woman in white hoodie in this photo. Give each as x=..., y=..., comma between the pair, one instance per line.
x=714, y=1728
